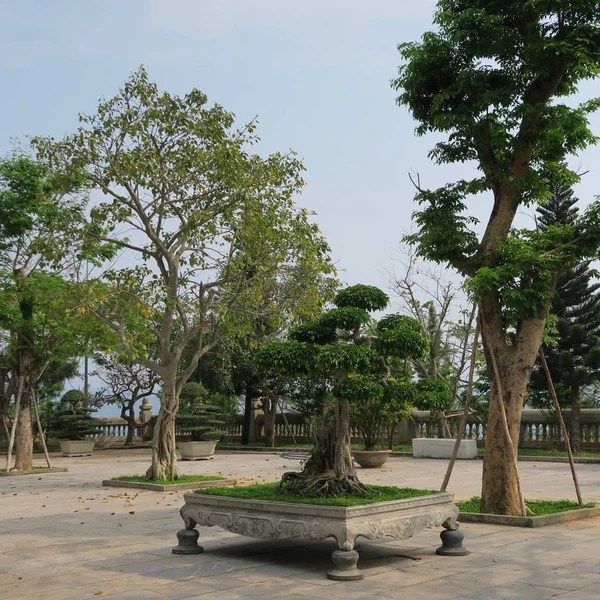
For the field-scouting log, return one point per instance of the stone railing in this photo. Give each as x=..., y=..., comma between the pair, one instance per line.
x=539, y=429
x=116, y=428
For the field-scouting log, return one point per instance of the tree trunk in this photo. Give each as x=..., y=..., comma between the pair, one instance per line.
x=574, y=434
x=500, y=493
x=164, y=449
x=24, y=432
x=270, y=410
x=251, y=394
x=130, y=424
x=329, y=470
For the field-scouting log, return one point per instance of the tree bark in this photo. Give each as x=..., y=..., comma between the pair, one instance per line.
x=164, y=448
x=329, y=471
x=574, y=423
x=500, y=493
x=130, y=417
x=24, y=439
x=251, y=394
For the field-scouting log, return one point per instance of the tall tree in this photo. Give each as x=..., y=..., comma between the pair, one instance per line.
x=208, y=222
x=492, y=78
x=41, y=210
x=574, y=357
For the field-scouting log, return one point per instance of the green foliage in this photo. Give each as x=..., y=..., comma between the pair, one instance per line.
x=434, y=395
x=401, y=337
x=73, y=398
x=314, y=332
x=346, y=357
x=198, y=416
x=290, y=358
x=347, y=318
x=72, y=422
x=362, y=296
x=277, y=493
x=537, y=507
x=494, y=80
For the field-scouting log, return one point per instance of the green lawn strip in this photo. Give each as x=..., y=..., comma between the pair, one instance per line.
x=170, y=481
x=272, y=492
x=34, y=468
x=538, y=507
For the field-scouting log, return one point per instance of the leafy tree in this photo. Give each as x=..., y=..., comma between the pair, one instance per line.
x=352, y=358
x=574, y=357
x=208, y=222
x=493, y=79
x=41, y=210
x=127, y=384
x=72, y=418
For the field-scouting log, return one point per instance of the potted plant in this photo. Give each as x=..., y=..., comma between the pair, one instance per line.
x=72, y=424
x=198, y=423
x=373, y=407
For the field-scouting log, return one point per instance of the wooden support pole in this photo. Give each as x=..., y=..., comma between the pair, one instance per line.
x=39, y=424
x=14, y=424
x=463, y=421
x=562, y=425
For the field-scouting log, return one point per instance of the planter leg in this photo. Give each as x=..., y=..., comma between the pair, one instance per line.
x=452, y=544
x=188, y=542
x=344, y=566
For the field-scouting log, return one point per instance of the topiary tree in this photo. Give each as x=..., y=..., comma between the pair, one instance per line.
x=72, y=418
x=198, y=416
x=352, y=356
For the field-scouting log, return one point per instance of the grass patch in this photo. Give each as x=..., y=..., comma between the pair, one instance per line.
x=170, y=481
x=272, y=492
x=538, y=507
x=34, y=468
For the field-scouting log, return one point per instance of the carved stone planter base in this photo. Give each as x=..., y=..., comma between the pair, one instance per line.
x=267, y=520
x=452, y=544
x=188, y=542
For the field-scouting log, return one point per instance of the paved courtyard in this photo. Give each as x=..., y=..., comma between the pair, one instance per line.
x=63, y=536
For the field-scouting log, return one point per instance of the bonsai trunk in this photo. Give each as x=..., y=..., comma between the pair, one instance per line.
x=329, y=471
x=500, y=492
x=574, y=434
x=164, y=450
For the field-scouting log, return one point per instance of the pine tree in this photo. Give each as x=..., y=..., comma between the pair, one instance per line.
x=574, y=361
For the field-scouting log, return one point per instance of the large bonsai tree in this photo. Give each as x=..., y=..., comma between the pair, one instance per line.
x=351, y=353
x=493, y=79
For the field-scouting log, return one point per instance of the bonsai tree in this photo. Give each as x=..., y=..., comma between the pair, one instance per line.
x=73, y=419
x=198, y=417
x=352, y=359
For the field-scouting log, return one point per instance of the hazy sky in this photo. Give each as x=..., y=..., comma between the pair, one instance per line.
x=316, y=73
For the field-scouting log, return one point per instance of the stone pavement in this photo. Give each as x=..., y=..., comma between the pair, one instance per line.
x=63, y=536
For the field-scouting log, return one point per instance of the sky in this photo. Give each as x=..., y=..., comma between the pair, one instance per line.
x=317, y=74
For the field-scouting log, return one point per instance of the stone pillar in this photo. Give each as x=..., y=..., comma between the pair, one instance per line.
x=254, y=425
x=145, y=411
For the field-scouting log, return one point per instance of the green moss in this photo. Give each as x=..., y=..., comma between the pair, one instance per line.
x=274, y=493
x=182, y=479
x=538, y=507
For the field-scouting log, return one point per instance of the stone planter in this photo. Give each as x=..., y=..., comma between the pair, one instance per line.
x=398, y=519
x=77, y=447
x=441, y=448
x=197, y=450
x=371, y=459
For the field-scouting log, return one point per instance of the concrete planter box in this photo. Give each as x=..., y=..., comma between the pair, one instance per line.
x=197, y=450
x=440, y=448
x=77, y=447
x=540, y=521
x=371, y=459
x=40, y=471
x=157, y=487
x=268, y=520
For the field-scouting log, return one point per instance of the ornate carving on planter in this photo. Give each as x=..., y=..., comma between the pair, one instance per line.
x=398, y=519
